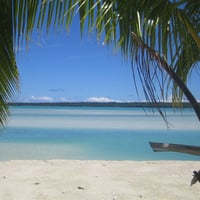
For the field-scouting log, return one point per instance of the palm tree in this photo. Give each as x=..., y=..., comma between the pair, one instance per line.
x=159, y=37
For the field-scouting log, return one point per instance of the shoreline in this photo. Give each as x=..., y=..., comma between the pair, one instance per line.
x=98, y=179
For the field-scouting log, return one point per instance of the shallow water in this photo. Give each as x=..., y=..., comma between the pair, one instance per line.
x=95, y=133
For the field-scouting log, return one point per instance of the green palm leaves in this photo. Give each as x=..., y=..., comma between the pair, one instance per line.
x=169, y=28
x=167, y=49
x=8, y=68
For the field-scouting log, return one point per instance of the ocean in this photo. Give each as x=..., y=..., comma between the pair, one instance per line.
x=95, y=133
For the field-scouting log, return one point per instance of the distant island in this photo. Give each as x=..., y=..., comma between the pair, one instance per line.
x=104, y=104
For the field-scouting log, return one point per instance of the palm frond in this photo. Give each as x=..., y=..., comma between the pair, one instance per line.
x=171, y=28
x=150, y=67
x=8, y=69
x=165, y=32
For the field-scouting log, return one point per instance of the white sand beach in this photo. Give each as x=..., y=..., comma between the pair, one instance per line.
x=97, y=180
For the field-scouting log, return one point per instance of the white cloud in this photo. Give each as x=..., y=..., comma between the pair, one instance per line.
x=40, y=99
x=101, y=99
x=49, y=99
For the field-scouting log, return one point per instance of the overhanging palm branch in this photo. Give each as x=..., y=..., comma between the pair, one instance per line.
x=150, y=66
x=8, y=68
x=170, y=36
x=168, y=27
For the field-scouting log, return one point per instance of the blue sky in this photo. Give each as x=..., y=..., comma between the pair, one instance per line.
x=64, y=67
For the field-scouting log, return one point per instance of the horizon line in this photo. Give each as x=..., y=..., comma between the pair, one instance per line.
x=111, y=103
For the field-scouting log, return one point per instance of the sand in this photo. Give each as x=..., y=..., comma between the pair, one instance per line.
x=98, y=180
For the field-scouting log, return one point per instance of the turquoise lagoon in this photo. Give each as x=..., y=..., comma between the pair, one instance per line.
x=95, y=133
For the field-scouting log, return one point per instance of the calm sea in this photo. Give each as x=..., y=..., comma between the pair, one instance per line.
x=95, y=133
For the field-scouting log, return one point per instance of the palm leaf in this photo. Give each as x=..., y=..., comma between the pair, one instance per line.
x=114, y=20
x=152, y=64
x=170, y=28
x=8, y=68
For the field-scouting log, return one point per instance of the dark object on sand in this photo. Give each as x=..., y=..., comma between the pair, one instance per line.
x=196, y=177
x=180, y=148
x=80, y=188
